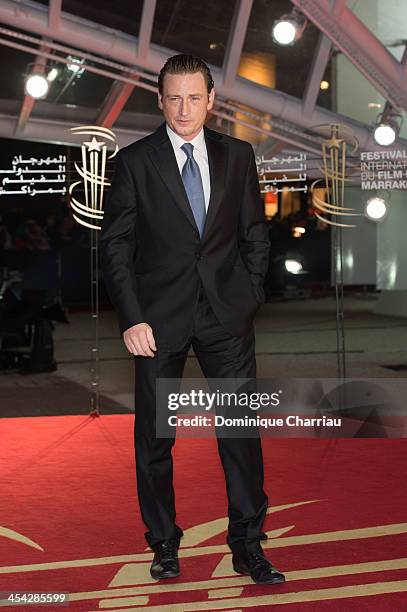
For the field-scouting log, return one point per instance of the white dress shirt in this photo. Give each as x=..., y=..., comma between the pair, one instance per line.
x=200, y=156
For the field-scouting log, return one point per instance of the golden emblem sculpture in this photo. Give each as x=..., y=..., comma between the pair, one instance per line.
x=334, y=160
x=89, y=213
x=93, y=175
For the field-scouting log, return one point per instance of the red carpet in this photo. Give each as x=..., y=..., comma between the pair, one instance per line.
x=70, y=522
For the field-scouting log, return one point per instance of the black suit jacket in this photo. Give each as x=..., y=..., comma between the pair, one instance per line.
x=152, y=255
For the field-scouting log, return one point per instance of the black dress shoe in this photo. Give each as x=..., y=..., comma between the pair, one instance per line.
x=256, y=565
x=165, y=563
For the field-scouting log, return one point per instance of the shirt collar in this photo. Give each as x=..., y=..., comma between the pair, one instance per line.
x=177, y=141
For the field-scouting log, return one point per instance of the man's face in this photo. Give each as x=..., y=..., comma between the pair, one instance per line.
x=185, y=102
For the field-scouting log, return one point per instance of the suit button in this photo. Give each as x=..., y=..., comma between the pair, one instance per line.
x=198, y=255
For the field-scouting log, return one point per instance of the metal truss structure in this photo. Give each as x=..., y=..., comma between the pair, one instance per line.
x=133, y=61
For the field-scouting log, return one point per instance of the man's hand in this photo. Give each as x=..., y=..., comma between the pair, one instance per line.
x=139, y=340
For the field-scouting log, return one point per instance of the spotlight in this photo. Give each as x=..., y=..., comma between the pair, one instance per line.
x=376, y=209
x=293, y=266
x=76, y=65
x=298, y=231
x=387, y=128
x=52, y=74
x=384, y=134
x=324, y=85
x=36, y=86
x=289, y=28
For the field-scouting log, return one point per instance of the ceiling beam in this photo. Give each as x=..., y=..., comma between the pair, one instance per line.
x=338, y=6
x=318, y=66
x=25, y=112
x=114, y=103
x=403, y=67
x=236, y=40
x=57, y=130
x=28, y=102
x=122, y=48
x=285, y=138
x=146, y=27
x=360, y=46
x=54, y=13
x=319, y=63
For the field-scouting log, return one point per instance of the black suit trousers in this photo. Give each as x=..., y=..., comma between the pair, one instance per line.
x=220, y=355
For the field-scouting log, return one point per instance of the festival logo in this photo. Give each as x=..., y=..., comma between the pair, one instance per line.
x=93, y=175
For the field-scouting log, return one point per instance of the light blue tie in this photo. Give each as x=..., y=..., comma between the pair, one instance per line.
x=192, y=180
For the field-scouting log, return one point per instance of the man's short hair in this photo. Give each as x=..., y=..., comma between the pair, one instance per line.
x=185, y=64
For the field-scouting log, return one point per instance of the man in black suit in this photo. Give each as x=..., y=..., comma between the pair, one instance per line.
x=184, y=254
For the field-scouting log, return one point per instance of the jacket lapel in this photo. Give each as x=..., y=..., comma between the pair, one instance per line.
x=217, y=159
x=163, y=157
